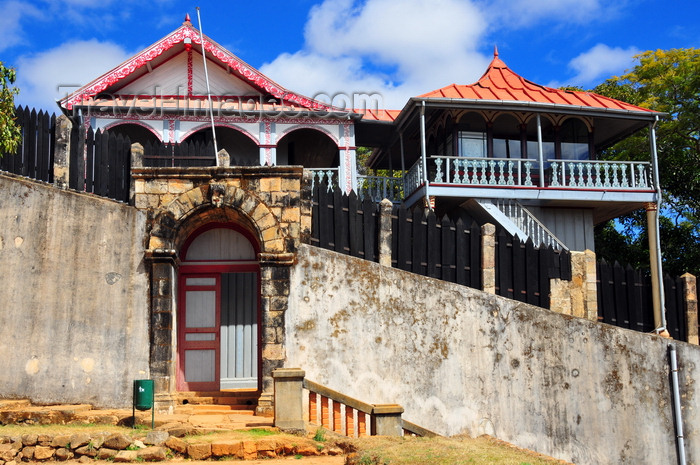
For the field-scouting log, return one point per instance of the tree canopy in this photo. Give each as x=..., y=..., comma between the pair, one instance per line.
x=10, y=134
x=667, y=81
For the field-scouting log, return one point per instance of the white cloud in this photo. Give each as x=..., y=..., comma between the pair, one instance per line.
x=12, y=14
x=601, y=62
x=525, y=13
x=47, y=76
x=419, y=46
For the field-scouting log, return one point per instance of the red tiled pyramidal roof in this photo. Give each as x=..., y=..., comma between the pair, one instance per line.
x=378, y=115
x=500, y=83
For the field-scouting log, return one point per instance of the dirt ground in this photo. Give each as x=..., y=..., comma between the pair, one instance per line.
x=323, y=460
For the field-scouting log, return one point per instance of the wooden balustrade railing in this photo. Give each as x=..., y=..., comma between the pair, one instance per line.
x=333, y=410
x=337, y=412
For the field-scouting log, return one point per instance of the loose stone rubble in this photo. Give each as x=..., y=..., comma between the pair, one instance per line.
x=118, y=447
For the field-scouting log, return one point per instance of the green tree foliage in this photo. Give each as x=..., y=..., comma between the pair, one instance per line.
x=667, y=81
x=10, y=134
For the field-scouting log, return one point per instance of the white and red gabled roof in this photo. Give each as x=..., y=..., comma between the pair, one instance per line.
x=174, y=43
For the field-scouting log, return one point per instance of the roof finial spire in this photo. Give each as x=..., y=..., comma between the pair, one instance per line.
x=187, y=18
x=495, y=51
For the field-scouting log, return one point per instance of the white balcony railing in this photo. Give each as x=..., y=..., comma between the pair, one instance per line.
x=327, y=176
x=596, y=175
x=601, y=174
x=379, y=188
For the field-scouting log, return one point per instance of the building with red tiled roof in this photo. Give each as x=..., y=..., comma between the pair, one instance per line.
x=515, y=153
x=164, y=95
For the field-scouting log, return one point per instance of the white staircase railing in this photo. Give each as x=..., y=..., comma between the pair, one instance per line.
x=525, y=222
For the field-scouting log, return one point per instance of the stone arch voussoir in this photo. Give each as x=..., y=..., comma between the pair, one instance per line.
x=217, y=202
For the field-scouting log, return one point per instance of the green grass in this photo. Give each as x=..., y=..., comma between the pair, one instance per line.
x=320, y=435
x=259, y=432
x=460, y=450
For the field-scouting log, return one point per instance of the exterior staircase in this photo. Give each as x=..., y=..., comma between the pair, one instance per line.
x=520, y=222
x=241, y=402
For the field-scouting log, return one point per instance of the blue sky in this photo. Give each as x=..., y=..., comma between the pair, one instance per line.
x=395, y=48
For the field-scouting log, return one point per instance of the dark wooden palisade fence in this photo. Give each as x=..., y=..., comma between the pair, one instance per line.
x=34, y=157
x=184, y=154
x=523, y=270
x=100, y=163
x=343, y=223
x=624, y=299
x=438, y=248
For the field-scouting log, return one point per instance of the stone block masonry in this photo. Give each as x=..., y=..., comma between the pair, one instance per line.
x=271, y=203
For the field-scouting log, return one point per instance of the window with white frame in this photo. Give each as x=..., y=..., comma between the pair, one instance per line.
x=472, y=144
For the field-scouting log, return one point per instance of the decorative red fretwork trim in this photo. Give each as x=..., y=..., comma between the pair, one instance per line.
x=179, y=35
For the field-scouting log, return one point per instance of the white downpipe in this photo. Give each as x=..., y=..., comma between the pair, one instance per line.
x=206, y=78
x=680, y=440
x=657, y=230
x=423, y=153
x=540, y=149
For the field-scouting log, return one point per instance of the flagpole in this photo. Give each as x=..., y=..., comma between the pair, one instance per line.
x=206, y=77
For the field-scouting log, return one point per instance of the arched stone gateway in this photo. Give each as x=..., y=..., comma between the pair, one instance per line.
x=220, y=246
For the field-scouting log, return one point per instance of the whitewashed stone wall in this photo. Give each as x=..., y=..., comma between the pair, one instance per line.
x=73, y=296
x=463, y=361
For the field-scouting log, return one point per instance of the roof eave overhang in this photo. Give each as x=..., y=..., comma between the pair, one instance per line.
x=515, y=105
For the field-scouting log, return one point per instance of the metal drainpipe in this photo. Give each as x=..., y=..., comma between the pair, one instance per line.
x=423, y=151
x=654, y=236
x=540, y=150
x=680, y=441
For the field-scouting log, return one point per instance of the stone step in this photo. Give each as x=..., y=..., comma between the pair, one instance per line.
x=212, y=409
x=10, y=404
x=75, y=408
x=237, y=393
x=242, y=401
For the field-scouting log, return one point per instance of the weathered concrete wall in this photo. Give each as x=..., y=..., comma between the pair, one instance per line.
x=73, y=296
x=460, y=360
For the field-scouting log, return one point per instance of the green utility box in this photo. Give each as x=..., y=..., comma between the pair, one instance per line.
x=143, y=398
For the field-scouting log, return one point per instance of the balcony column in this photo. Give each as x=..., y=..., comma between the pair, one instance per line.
x=540, y=150
x=268, y=144
x=423, y=154
x=657, y=277
x=347, y=171
x=657, y=285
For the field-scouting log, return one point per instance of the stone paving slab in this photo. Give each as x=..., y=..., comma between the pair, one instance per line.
x=20, y=411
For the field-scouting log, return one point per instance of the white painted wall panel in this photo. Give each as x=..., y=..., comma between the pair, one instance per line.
x=171, y=79
x=573, y=226
x=220, y=244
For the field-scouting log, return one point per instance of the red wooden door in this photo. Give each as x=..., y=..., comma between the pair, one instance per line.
x=199, y=338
